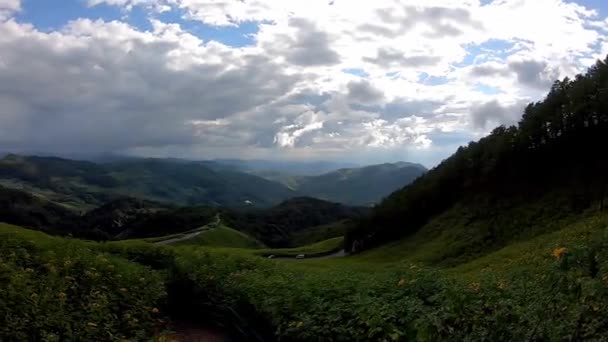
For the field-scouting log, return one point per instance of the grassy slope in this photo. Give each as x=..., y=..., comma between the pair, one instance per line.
x=468, y=231
x=319, y=233
x=318, y=248
x=525, y=294
x=223, y=236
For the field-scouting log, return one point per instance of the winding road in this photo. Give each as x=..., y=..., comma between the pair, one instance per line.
x=179, y=239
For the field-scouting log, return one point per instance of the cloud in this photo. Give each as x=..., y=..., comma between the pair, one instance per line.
x=534, y=73
x=305, y=123
x=309, y=47
x=489, y=70
x=173, y=89
x=388, y=58
x=100, y=86
x=7, y=7
x=362, y=92
x=493, y=113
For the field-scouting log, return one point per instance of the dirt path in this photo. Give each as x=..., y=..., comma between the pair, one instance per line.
x=209, y=226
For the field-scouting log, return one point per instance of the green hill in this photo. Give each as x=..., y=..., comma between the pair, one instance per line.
x=516, y=183
x=21, y=208
x=278, y=225
x=223, y=236
x=354, y=186
x=86, y=185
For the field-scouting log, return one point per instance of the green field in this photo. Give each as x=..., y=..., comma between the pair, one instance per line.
x=316, y=249
x=222, y=236
x=523, y=291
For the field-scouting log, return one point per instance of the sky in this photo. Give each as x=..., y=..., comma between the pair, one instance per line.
x=358, y=81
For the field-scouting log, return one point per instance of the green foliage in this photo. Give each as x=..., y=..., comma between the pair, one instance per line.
x=275, y=226
x=57, y=290
x=547, y=298
x=21, y=208
x=550, y=288
x=553, y=151
x=320, y=233
x=316, y=249
x=89, y=184
x=354, y=185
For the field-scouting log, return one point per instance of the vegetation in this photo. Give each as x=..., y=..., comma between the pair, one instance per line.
x=223, y=236
x=23, y=209
x=550, y=161
x=86, y=184
x=355, y=186
x=276, y=226
x=320, y=233
x=551, y=288
x=56, y=290
x=317, y=249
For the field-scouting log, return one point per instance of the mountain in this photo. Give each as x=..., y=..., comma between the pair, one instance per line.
x=359, y=186
x=275, y=226
x=516, y=183
x=127, y=218
x=280, y=225
x=292, y=168
x=114, y=217
x=20, y=208
x=85, y=185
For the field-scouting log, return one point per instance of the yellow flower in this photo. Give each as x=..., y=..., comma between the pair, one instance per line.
x=61, y=295
x=559, y=253
x=67, y=263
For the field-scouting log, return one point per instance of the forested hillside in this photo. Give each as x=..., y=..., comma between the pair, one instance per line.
x=84, y=185
x=551, y=164
x=358, y=186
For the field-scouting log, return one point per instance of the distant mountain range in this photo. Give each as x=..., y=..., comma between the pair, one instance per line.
x=293, y=168
x=356, y=186
x=128, y=217
x=84, y=185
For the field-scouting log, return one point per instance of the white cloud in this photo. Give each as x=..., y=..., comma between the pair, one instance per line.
x=7, y=7
x=426, y=67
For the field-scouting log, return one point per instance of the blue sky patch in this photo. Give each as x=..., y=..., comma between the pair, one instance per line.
x=49, y=16
x=235, y=36
x=356, y=72
x=426, y=79
x=486, y=89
